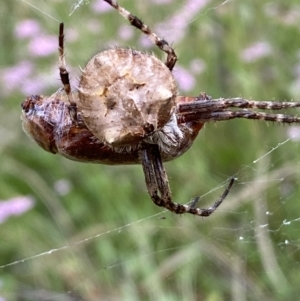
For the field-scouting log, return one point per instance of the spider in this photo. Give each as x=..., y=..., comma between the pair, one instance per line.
x=126, y=110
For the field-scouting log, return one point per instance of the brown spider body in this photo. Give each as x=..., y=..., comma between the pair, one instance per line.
x=125, y=95
x=126, y=111
x=48, y=122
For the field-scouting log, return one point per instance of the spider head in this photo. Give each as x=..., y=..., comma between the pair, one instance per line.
x=40, y=121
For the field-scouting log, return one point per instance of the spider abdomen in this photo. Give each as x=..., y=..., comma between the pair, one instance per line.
x=125, y=96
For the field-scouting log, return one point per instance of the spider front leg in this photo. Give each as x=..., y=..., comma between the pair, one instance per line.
x=205, y=109
x=228, y=115
x=158, y=185
x=159, y=42
x=64, y=74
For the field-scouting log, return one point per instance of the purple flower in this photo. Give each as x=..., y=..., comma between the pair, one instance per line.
x=15, y=206
x=286, y=17
x=43, y=45
x=145, y=42
x=177, y=25
x=33, y=86
x=99, y=6
x=185, y=80
x=13, y=76
x=125, y=32
x=256, y=51
x=27, y=28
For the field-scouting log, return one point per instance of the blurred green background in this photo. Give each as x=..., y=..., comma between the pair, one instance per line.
x=248, y=250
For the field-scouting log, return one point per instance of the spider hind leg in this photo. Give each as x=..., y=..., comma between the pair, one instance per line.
x=159, y=189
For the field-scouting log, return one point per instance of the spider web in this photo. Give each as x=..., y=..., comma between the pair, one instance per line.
x=105, y=240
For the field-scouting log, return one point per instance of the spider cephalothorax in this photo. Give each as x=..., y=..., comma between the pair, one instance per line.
x=126, y=111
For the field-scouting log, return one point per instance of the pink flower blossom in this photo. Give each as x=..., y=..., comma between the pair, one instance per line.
x=126, y=32
x=15, y=206
x=33, y=86
x=177, y=24
x=256, y=51
x=27, y=28
x=185, y=79
x=43, y=45
x=99, y=6
x=13, y=76
x=145, y=42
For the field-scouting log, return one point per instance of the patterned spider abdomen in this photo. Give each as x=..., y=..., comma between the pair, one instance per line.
x=125, y=95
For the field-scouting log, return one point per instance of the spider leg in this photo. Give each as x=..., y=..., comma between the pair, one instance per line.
x=219, y=201
x=64, y=74
x=136, y=22
x=201, y=104
x=157, y=183
x=227, y=115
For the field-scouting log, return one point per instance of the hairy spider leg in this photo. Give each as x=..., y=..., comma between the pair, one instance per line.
x=247, y=114
x=157, y=182
x=64, y=74
x=219, y=109
x=201, y=104
x=136, y=22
